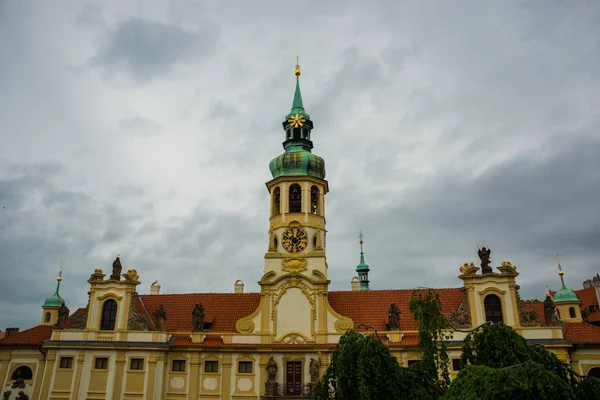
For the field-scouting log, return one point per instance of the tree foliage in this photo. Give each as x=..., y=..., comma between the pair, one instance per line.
x=363, y=368
x=497, y=363
x=426, y=309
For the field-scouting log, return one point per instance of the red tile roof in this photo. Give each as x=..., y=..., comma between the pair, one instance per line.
x=1, y=335
x=588, y=298
x=222, y=309
x=581, y=332
x=371, y=307
x=29, y=337
x=538, y=307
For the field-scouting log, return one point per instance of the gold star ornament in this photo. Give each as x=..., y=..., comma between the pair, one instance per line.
x=297, y=120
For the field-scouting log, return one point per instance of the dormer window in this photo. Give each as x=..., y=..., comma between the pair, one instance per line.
x=493, y=308
x=109, y=315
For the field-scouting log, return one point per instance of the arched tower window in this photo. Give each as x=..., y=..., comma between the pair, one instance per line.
x=572, y=313
x=47, y=317
x=109, y=315
x=23, y=372
x=276, y=201
x=295, y=198
x=493, y=308
x=314, y=200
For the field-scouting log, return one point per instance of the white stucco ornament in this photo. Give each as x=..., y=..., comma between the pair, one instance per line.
x=177, y=382
x=210, y=383
x=244, y=385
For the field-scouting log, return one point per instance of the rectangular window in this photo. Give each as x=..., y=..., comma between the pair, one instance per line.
x=211, y=366
x=101, y=363
x=137, y=364
x=66, y=362
x=456, y=364
x=245, y=367
x=178, y=365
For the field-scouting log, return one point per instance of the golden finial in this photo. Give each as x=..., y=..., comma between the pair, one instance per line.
x=560, y=271
x=297, y=70
x=60, y=273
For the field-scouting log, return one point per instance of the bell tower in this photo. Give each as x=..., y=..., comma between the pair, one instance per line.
x=297, y=192
x=294, y=304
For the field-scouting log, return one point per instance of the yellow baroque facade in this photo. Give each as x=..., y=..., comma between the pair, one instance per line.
x=267, y=345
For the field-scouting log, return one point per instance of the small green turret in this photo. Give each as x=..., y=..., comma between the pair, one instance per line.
x=362, y=269
x=55, y=300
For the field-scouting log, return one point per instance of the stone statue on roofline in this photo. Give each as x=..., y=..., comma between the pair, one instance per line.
x=116, y=270
x=63, y=315
x=484, y=256
x=550, y=311
x=198, y=318
x=161, y=318
x=393, y=318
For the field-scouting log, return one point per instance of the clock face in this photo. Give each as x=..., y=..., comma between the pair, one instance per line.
x=294, y=240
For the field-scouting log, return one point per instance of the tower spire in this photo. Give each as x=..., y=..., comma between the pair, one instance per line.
x=297, y=105
x=362, y=268
x=560, y=273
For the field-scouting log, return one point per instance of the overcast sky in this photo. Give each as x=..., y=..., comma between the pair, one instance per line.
x=145, y=129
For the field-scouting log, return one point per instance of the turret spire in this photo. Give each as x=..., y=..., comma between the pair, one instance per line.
x=297, y=105
x=362, y=268
x=297, y=159
x=55, y=300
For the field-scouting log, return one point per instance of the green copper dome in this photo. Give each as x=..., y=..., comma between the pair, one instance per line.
x=54, y=301
x=565, y=295
x=298, y=159
x=297, y=163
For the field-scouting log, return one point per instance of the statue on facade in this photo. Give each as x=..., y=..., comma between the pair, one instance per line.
x=6, y=395
x=550, y=311
x=271, y=370
x=394, y=318
x=198, y=318
x=116, y=270
x=63, y=315
x=22, y=396
x=484, y=256
x=161, y=318
x=136, y=321
x=313, y=369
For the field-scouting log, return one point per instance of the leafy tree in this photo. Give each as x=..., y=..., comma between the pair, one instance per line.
x=497, y=363
x=363, y=368
x=426, y=308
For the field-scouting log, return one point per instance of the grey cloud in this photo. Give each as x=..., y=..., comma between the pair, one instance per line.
x=443, y=127
x=144, y=50
x=221, y=109
x=91, y=16
x=143, y=127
